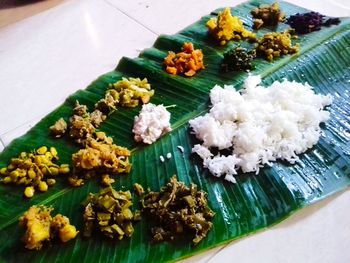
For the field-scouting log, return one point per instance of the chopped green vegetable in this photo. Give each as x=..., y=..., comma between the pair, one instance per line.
x=109, y=211
x=238, y=59
x=126, y=93
x=177, y=209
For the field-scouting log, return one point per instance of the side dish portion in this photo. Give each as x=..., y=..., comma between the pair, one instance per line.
x=42, y=227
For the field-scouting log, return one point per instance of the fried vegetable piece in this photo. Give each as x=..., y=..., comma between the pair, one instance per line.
x=110, y=212
x=267, y=15
x=227, y=27
x=100, y=156
x=309, y=22
x=187, y=62
x=59, y=128
x=139, y=189
x=37, y=221
x=35, y=170
x=41, y=227
x=238, y=59
x=126, y=93
x=60, y=225
x=275, y=44
x=106, y=180
x=177, y=209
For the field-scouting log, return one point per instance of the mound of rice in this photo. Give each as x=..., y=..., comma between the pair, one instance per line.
x=260, y=125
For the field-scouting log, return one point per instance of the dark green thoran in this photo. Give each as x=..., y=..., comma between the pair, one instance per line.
x=238, y=59
x=109, y=210
x=178, y=209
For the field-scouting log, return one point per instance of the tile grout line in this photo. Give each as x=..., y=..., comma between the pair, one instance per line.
x=1, y=141
x=38, y=117
x=223, y=247
x=127, y=15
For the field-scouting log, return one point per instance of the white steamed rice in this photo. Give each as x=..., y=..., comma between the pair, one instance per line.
x=261, y=124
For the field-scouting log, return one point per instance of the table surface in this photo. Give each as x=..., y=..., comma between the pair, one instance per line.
x=52, y=48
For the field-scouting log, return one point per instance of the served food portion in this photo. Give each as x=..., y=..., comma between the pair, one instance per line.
x=267, y=15
x=128, y=92
x=99, y=157
x=186, y=62
x=41, y=227
x=309, y=22
x=178, y=210
x=227, y=27
x=82, y=124
x=152, y=123
x=273, y=45
x=258, y=125
x=238, y=59
x=109, y=211
x=36, y=170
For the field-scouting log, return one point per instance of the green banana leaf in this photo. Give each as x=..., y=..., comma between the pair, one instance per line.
x=254, y=202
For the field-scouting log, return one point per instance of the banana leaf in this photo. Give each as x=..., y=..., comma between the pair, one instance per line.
x=255, y=202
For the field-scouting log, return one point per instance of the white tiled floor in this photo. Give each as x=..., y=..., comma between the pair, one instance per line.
x=171, y=16
x=50, y=55
x=176, y=15
x=322, y=232
x=16, y=132
x=47, y=57
x=2, y=145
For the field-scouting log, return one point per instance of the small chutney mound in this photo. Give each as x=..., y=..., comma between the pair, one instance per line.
x=152, y=123
x=238, y=59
